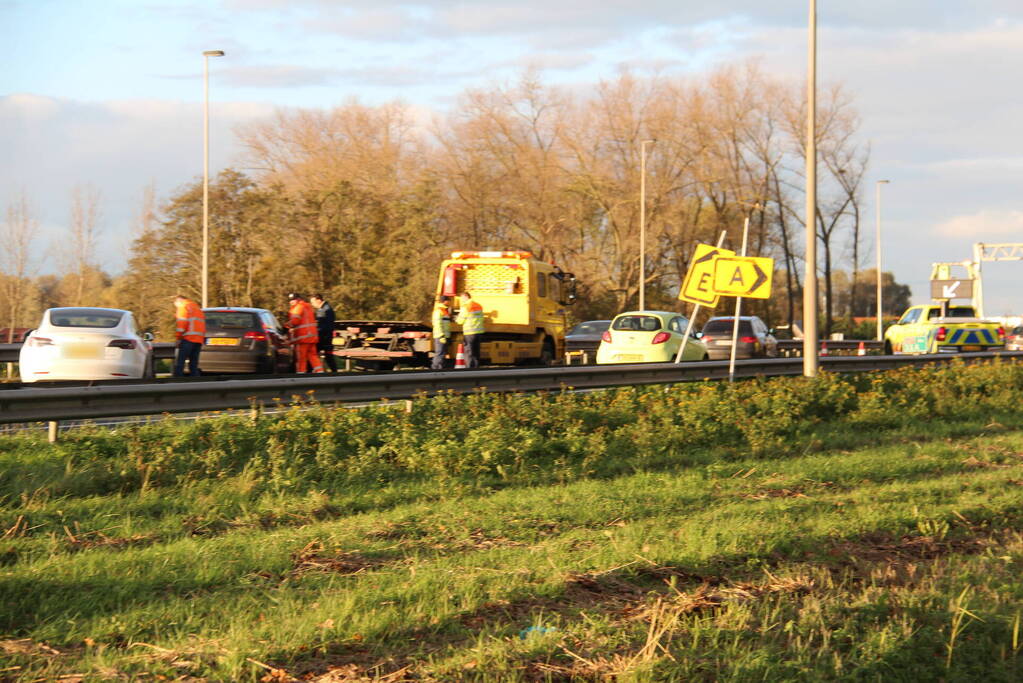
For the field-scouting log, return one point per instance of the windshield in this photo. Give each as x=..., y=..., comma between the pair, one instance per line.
x=640, y=323
x=723, y=326
x=591, y=327
x=953, y=312
x=85, y=317
x=231, y=320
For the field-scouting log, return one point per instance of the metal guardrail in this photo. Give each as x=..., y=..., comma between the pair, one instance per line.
x=9, y=352
x=75, y=403
x=793, y=347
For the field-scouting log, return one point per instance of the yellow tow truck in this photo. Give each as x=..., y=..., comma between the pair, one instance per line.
x=524, y=304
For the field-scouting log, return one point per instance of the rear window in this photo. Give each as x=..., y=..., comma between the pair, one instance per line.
x=85, y=317
x=641, y=323
x=596, y=327
x=232, y=320
x=953, y=312
x=724, y=326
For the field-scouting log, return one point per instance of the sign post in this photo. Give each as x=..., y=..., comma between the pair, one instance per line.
x=738, y=299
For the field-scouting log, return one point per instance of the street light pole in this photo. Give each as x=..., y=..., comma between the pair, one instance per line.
x=642, y=223
x=877, y=248
x=206, y=171
x=810, y=279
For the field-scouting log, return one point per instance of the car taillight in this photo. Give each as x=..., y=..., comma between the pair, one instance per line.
x=258, y=336
x=942, y=333
x=748, y=340
x=1001, y=332
x=123, y=344
x=606, y=337
x=660, y=338
x=40, y=341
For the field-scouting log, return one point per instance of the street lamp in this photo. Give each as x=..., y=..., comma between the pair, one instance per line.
x=877, y=248
x=642, y=223
x=206, y=171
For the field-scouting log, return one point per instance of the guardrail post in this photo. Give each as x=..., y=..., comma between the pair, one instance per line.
x=408, y=405
x=52, y=428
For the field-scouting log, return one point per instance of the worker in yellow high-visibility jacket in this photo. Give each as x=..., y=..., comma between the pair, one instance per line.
x=470, y=317
x=441, y=331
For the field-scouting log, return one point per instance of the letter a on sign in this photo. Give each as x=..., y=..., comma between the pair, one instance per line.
x=698, y=287
x=748, y=276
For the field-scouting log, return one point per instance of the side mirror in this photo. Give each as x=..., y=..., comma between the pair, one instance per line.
x=771, y=331
x=147, y=336
x=698, y=335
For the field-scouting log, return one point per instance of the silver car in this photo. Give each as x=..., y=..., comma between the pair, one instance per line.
x=756, y=340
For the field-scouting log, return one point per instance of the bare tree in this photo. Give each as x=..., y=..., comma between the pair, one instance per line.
x=79, y=255
x=15, y=253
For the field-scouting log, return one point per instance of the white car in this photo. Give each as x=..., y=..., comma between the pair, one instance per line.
x=86, y=344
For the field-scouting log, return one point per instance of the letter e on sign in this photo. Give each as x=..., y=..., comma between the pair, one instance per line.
x=698, y=287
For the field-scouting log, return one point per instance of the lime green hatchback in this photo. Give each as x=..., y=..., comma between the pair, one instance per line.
x=648, y=337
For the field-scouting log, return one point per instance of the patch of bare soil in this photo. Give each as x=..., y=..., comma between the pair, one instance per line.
x=88, y=540
x=312, y=558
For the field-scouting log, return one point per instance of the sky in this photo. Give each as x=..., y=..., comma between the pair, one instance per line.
x=109, y=92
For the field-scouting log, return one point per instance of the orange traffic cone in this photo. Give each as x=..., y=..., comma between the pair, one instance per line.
x=824, y=348
x=861, y=350
x=460, y=358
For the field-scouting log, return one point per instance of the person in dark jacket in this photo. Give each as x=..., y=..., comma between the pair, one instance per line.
x=325, y=327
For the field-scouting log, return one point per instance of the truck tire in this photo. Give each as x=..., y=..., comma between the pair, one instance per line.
x=547, y=352
x=887, y=348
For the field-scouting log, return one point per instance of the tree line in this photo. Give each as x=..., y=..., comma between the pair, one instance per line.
x=362, y=202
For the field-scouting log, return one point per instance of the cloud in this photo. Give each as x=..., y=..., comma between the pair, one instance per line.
x=52, y=144
x=985, y=226
x=277, y=76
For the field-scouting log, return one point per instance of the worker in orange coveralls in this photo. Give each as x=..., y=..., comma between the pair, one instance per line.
x=190, y=333
x=304, y=335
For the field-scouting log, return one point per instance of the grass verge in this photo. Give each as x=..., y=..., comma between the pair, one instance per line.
x=863, y=540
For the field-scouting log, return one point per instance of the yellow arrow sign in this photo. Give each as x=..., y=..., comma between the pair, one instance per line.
x=748, y=277
x=697, y=287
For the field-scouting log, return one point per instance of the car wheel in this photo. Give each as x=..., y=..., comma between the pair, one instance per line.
x=887, y=348
x=267, y=366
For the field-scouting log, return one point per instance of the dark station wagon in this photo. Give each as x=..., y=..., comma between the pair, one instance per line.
x=244, y=340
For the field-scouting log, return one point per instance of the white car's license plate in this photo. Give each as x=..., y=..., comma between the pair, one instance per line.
x=82, y=351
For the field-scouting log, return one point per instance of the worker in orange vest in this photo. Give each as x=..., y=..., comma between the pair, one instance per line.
x=304, y=334
x=190, y=324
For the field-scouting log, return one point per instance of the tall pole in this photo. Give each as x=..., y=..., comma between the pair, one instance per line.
x=642, y=223
x=206, y=172
x=810, y=279
x=877, y=248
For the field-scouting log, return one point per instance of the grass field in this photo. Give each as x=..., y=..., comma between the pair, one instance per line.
x=851, y=528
